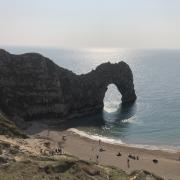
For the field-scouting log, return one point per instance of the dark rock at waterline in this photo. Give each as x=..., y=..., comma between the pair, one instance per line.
x=33, y=87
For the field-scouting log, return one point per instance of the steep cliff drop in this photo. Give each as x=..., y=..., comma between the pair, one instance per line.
x=32, y=87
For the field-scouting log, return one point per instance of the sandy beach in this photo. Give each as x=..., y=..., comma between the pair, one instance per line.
x=168, y=165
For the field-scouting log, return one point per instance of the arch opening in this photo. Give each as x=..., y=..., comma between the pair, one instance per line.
x=112, y=99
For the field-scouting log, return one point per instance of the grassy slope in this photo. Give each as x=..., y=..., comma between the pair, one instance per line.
x=67, y=168
x=9, y=128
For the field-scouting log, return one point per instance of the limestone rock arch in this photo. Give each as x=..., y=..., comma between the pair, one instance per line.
x=32, y=87
x=118, y=74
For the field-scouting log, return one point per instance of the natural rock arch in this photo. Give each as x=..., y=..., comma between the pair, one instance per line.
x=33, y=87
x=118, y=74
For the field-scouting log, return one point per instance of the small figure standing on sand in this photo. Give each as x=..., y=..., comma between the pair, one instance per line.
x=97, y=158
x=128, y=163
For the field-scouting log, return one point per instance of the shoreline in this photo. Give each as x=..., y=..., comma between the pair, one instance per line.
x=87, y=149
x=168, y=162
x=112, y=141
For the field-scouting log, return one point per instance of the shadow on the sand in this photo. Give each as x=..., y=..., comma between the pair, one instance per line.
x=98, y=120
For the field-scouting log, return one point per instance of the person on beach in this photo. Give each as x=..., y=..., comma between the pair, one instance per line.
x=128, y=163
x=132, y=156
x=119, y=154
x=97, y=158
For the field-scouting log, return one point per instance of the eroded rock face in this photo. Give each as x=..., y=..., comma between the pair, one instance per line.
x=33, y=87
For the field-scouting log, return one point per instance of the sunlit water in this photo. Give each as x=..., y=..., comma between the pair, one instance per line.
x=155, y=117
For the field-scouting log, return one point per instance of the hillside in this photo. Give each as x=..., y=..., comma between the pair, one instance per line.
x=8, y=128
x=16, y=163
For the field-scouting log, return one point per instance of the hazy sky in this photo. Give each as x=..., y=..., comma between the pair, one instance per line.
x=91, y=23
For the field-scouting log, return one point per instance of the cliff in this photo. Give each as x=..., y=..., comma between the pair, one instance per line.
x=33, y=87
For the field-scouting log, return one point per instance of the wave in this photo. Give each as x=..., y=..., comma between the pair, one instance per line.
x=111, y=107
x=108, y=140
x=130, y=120
x=95, y=137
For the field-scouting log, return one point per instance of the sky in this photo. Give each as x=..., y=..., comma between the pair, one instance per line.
x=90, y=23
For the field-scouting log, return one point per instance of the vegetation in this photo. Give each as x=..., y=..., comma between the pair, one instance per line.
x=66, y=168
x=8, y=128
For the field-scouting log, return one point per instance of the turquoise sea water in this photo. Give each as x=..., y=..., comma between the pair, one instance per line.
x=155, y=117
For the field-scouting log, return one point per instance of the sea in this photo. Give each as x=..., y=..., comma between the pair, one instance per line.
x=153, y=121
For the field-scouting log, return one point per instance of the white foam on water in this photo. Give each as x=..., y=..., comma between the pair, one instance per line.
x=110, y=107
x=130, y=120
x=96, y=137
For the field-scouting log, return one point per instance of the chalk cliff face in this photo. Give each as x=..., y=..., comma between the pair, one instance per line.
x=32, y=87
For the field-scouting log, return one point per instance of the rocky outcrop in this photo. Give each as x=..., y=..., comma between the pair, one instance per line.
x=33, y=87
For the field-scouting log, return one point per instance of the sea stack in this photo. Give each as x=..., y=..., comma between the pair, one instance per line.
x=32, y=87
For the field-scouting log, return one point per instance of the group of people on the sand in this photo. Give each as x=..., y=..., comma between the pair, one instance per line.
x=59, y=151
x=133, y=157
x=129, y=157
x=48, y=151
x=101, y=149
x=51, y=152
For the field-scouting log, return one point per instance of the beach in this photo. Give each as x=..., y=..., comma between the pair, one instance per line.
x=88, y=149
x=44, y=140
